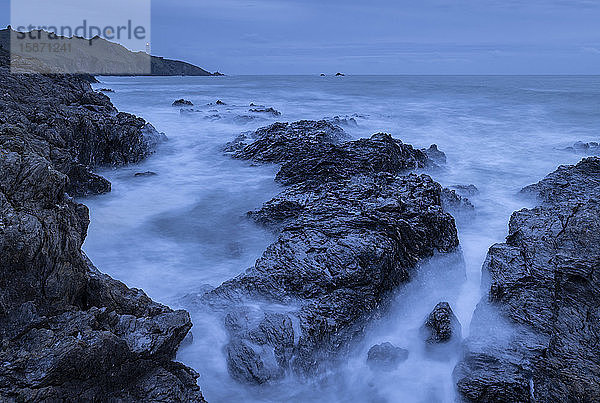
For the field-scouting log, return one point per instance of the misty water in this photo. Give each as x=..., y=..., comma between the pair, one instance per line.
x=184, y=230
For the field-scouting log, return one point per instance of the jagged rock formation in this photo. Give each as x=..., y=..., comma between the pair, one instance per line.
x=386, y=357
x=441, y=325
x=534, y=338
x=353, y=223
x=68, y=332
x=442, y=332
x=74, y=128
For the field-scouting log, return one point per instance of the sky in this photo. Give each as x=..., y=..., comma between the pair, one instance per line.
x=377, y=36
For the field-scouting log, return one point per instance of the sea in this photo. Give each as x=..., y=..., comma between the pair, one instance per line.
x=183, y=230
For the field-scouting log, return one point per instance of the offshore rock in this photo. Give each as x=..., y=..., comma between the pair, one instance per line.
x=271, y=111
x=182, y=102
x=534, y=337
x=68, y=332
x=352, y=226
x=386, y=357
x=591, y=148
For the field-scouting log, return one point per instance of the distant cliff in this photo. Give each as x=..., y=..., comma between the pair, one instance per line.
x=104, y=58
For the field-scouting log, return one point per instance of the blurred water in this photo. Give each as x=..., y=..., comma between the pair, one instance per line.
x=174, y=233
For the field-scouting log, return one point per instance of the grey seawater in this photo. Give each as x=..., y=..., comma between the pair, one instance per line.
x=184, y=230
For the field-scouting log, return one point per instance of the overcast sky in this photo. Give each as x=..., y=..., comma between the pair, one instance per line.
x=378, y=36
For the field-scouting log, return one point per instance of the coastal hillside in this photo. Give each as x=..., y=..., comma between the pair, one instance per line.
x=106, y=57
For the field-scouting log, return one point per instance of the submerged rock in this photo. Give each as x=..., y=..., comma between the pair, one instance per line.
x=386, y=357
x=144, y=174
x=352, y=225
x=544, y=287
x=435, y=154
x=465, y=190
x=456, y=204
x=106, y=90
x=68, y=332
x=270, y=111
x=591, y=148
x=182, y=102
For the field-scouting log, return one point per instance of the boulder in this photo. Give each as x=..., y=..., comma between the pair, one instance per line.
x=442, y=326
x=182, y=102
x=534, y=334
x=386, y=357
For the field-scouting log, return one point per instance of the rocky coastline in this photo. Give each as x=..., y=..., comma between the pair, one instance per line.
x=534, y=336
x=353, y=223
x=68, y=332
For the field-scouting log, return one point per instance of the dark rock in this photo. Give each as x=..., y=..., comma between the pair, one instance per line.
x=271, y=111
x=147, y=173
x=455, y=203
x=72, y=127
x=346, y=121
x=352, y=226
x=219, y=102
x=182, y=102
x=591, y=148
x=68, y=332
x=106, y=90
x=544, y=288
x=279, y=141
x=435, y=154
x=339, y=74
x=442, y=326
x=386, y=357
x=216, y=73
x=322, y=75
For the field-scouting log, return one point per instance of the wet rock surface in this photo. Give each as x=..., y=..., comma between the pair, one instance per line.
x=535, y=336
x=269, y=111
x=69, y=125
x=182, y=102
x=441, y=328
x=352, y=224
x=68, y=332
x=386, y=357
